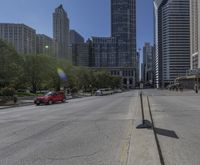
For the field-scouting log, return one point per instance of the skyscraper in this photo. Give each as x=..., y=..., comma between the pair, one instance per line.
x=172, y=40
x=137, y=64
x=195, y=33
x=118, y=52
x=75, y=37
x=79, y=49
x=61, y=32
x=148, y=63
x=105, y=49
x=123, y=27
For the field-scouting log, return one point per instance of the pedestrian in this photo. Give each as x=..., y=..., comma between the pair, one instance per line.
x=196, y=88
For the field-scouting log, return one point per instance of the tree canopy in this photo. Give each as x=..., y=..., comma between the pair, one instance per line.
x=39, y=71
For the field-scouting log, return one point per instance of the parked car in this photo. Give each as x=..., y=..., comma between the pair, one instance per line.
x=117, y=91
x=50, y=98
x=106, y=91
x=98, y=93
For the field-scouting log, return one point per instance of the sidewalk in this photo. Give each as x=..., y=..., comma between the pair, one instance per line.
x=185, y=92
x=20, y=103
x=25, y=101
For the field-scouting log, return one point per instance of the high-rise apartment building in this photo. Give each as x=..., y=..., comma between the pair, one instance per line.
x=148, y=63
x=20, y=36
x=172, y=40
x=195, y=34
x=61, y=33
x=44, y=45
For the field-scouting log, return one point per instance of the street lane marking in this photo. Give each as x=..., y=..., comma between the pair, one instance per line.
x=126, y=145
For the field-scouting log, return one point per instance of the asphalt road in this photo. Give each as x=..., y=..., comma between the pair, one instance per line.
x=101, y=131
x=177, y=119
x=87, y=131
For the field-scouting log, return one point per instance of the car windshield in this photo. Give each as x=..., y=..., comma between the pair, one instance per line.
x=49, y=94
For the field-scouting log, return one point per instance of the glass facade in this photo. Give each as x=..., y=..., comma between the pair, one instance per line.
x=195, y=34
x=172, y=40
x=123, y=18
x=118, y=52
x=105, y=51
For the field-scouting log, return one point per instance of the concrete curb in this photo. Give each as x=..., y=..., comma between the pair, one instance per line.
x=31, y=102
x=14, y=106
x=143, y=149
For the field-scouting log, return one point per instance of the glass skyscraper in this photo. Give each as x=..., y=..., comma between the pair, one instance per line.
x=123, y=28
x=172, y=40
x=195, y=34
x=118, y=52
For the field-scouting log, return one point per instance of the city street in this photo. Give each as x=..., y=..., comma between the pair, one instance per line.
x=91, y=130
x=101, y=131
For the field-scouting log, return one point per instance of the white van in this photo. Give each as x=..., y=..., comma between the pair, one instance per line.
x=105, y=91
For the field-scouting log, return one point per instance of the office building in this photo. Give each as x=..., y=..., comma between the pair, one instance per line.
x=172, y=40
x=20, y=36
x=137, y=68
x=80, y=49
x=44, y=45
x=148, y=63
x=123, y=27
x=61, y=33
x=105, y=52
x=118, y=52
x=105, y=56
x=80, y=53
x=75, y=37
x=142, y=72
x=195, y=34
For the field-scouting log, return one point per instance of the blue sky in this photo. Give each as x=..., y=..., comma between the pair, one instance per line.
x=88, y=17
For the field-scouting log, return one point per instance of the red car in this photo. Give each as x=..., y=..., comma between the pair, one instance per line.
x=50, y=98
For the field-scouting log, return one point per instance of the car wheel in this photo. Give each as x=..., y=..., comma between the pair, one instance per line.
x=37, y=104
x=50, y=102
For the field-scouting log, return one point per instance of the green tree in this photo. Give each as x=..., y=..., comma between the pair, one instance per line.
x=36, y=70
x=10, y=65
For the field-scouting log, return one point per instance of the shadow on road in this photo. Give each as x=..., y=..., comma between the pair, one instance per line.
x=165, y=132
